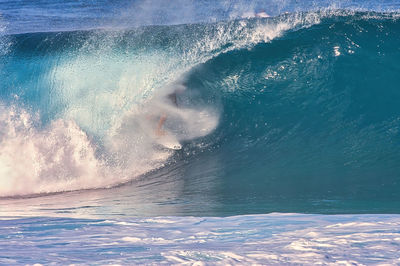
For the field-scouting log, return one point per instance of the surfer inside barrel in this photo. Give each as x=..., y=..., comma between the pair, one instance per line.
x=172, y=97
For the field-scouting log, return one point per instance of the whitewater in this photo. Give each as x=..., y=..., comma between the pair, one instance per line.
x=279, y=141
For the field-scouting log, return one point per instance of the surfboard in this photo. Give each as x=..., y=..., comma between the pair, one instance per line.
x=168, y=141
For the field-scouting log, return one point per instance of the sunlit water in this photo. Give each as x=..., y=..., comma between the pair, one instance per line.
x=281, y=107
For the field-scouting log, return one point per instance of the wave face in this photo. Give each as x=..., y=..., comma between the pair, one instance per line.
x=297, y=108
x=310, y=116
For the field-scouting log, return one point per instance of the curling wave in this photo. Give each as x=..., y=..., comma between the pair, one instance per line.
x=305, y=98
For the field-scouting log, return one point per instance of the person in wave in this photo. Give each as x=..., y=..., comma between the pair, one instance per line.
x=172, y=97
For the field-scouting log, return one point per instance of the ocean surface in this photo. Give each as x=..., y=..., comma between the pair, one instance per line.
x=280, y=142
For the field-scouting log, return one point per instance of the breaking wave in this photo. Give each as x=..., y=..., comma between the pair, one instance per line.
x=303, y=96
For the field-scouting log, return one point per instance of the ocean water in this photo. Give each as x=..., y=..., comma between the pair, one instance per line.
x=286, y=130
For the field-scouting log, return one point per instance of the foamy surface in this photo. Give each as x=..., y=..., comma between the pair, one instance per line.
x=272, y=239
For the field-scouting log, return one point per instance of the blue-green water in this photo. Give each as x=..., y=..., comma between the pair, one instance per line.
x=307, y=117
x=275, y=108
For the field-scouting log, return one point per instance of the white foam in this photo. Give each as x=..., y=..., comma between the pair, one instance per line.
x=267, y=239
x=59, y=157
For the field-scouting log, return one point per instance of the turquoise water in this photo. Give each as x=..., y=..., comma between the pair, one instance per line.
x=280, y=108
x=300, y=120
